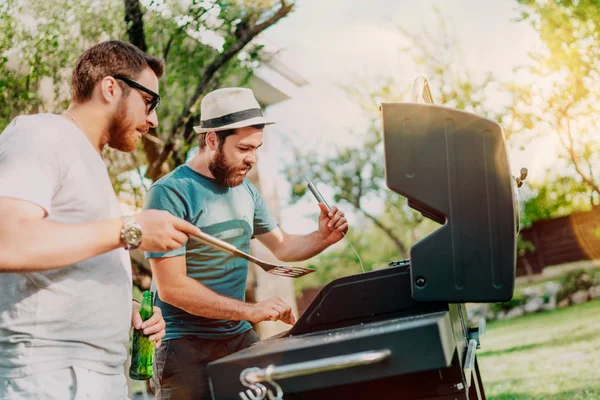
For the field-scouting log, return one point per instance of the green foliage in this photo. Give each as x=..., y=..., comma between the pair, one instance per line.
x=375, y=249
x=507, y=305
x=561, y=95
x=575, y=281
x=42, y=44
x=174, y=36
x=39, y=42
x=524, y=246
x=562, y=26
x=555, y=198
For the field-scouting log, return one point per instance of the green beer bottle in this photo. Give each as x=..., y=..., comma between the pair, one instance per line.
x=142, y=350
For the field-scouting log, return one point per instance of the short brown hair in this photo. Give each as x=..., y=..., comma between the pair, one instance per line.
x=108, y=59
x=222, y=135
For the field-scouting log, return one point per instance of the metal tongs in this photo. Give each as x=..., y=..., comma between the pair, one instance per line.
x=275, y=269
x=321, y=199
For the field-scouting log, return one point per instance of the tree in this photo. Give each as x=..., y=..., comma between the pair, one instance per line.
x=375, y=249
x=562, y=92
x=356, y=173
x=553, y=198
x=198, y=69
x=205, y=44
x=440, y=56
x=37, y=42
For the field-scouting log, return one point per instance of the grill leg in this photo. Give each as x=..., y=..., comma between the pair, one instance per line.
x=476, y=391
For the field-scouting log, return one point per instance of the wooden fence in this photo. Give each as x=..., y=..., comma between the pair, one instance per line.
x=575, y=237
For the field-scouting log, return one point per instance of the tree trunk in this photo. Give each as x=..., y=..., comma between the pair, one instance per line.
x=135, y=31
x=135, y=24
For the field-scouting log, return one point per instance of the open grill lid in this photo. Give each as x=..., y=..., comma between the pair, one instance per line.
x=452, y=166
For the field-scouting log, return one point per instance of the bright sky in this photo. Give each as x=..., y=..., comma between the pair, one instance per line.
x=338, y=42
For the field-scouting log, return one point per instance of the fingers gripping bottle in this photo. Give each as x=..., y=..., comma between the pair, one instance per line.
x=142, y=350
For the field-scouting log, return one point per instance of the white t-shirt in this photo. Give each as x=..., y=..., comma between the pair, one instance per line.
x=74, y=316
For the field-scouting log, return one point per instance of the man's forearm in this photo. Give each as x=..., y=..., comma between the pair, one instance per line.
x=37, y=245
x=301, y=247
x=195, y=298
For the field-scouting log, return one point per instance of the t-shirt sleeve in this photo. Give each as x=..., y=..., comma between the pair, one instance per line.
x=30, y=166
x=263, y=220
x=161, y=197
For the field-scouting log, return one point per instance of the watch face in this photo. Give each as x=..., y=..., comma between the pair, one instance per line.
x=133, y=236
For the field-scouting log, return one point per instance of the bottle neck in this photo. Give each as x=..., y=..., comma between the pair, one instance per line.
x=146, y=309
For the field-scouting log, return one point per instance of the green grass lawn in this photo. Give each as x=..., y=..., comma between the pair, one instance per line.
x=550, y=356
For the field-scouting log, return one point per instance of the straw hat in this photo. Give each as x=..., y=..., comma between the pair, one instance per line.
x=229, y=108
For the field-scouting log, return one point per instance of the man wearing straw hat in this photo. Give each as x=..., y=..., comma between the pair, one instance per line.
x=200, y=289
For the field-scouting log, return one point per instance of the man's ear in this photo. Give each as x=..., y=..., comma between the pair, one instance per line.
x=109, y=89
x=212, y=140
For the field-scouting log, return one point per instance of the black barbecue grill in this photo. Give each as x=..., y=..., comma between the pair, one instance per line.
x=402, y=332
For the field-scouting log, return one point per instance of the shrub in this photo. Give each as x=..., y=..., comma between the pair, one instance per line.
x=507, y=305
x=575, y=281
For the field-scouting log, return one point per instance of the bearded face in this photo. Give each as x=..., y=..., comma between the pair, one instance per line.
x=226, y=173
x=124, y=133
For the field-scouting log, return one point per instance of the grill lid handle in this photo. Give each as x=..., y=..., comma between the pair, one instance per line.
x=252, y=375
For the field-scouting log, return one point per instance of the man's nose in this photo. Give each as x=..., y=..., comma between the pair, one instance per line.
x=251, y=158
x=152, y=119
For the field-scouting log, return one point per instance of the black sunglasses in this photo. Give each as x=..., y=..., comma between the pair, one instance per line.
x=155, y=96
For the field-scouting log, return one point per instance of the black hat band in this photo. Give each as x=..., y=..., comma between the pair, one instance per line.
x=232, y=118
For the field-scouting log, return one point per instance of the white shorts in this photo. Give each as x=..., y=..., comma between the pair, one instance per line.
x=74, y=383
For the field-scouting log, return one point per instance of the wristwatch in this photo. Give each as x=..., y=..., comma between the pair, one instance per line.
x=131, y=233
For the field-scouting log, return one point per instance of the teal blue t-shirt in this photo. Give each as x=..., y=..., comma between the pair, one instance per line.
x=233, y=214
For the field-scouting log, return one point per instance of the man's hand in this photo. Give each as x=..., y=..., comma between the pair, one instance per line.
x=153, y=326
x=163, y=232
x=332, y=224
x=273, y=309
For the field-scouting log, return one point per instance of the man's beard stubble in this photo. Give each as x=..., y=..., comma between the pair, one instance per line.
x=226, y=174
x=123, y=136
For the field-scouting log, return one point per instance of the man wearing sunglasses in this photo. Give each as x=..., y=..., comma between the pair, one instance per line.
x=154, y=99
x=65, y=274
